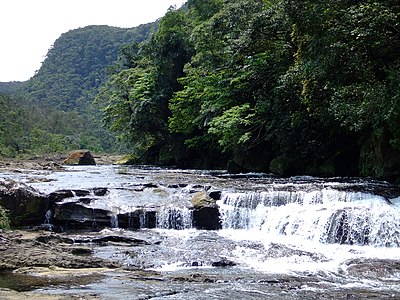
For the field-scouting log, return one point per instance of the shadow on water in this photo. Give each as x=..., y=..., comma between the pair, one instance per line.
x=22, y=282
x=25, y=282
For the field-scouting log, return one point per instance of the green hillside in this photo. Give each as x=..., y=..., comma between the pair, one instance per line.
x=11, y=87
x=53, y=111
x=76, y=65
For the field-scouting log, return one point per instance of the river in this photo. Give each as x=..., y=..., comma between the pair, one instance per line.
x=294, y=238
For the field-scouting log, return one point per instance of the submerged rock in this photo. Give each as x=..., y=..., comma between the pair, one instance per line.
x=223, y=263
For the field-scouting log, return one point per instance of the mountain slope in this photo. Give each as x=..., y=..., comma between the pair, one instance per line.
x=76, y=65
x=11, y=87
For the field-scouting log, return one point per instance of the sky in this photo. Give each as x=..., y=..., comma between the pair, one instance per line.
x=28, y=28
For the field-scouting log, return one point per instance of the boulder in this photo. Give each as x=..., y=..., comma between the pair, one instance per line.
x=206, y=213
x=379, y=159
x=223, y=263
x=80, y=157
x=75, y=215
x=207, y=218
x=215, y=194
x=201, y=199
x=25, y=204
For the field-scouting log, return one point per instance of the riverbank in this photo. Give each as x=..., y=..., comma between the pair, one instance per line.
x=49, y=162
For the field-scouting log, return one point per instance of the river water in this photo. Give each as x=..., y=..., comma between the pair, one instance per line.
x=295, y=238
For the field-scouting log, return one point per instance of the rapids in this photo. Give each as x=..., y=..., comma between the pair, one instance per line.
x=295, y=238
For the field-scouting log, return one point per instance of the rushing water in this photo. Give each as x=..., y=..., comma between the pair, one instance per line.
x=298, y=238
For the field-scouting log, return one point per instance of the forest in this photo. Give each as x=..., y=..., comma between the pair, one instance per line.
x=52, y=112
x=283, y=86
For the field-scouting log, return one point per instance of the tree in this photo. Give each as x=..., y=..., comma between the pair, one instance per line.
x=135, y=100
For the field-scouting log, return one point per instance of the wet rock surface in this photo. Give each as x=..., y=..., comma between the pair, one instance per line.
x=140, y=259
x=46, y=259
x=34, y=249
x=26, y=205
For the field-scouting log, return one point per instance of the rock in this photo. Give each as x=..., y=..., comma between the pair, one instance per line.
x=281, y=166
x=29, y=249
x=379, y=159
x=27, y=206
x=81, y=193
x=80, y=157
x=138, y=219
x=60, y=195
x=54, y=239
x=150, y=185
x=85, y=200
x=104, y=240
x=100, y=191
x=75, y=215
x=215, y=194
x=223, y=263
x=207, y=218
x=372, y=268
x=206, y=213
x=201, y=199
x=340, y=230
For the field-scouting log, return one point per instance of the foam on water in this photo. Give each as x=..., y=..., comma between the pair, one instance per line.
x=314, y=232
x=357, y=218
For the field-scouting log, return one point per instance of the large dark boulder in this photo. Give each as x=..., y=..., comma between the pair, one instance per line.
x=207, y=218
x=26, y=205
x=80, y=157
x=76, y=216
x=206, y=213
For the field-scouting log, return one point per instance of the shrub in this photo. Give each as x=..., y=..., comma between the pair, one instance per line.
x=4, y=219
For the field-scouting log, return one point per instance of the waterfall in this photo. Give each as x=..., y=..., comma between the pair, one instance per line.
x=326, y=216
x=114, y=220
x=171, y=217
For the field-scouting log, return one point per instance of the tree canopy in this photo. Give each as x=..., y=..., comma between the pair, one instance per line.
x=298, y=86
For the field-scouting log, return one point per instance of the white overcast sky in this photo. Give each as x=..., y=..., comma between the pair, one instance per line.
x=29, y=27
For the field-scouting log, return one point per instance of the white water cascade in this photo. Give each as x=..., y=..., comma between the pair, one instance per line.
x=174, y=218
x=326, y=216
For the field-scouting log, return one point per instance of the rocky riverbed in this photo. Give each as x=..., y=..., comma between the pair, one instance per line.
x=115, y=232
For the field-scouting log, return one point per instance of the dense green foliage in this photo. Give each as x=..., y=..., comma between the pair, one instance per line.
x=76, y=65
x=295, y=86
x=27, y=129
x=11, y=87
x=136, y=99
x=4, y=219
x=53, y=111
